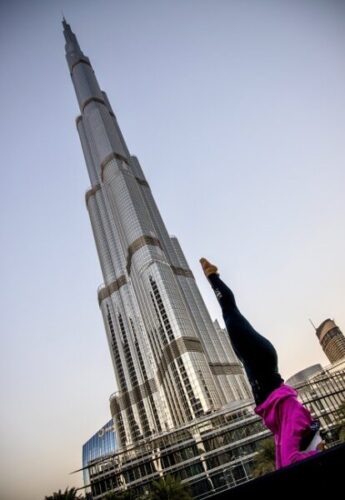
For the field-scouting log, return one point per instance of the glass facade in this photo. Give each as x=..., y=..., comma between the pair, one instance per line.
x=211, y=454
x=102, y=444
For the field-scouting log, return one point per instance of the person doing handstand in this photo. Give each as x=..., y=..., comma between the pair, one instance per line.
x=276, y=403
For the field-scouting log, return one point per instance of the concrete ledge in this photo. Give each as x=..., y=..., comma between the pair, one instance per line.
x=320, y=476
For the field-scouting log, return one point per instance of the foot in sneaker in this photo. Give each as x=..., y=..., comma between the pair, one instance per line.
x=208, y=268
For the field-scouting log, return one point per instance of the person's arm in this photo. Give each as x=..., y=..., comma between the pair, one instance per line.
x=295, y=419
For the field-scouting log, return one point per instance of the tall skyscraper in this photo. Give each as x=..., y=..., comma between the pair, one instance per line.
x=171, y=363
x=332, y=340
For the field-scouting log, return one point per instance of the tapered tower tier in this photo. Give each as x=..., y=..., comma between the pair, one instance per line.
x=172, y=364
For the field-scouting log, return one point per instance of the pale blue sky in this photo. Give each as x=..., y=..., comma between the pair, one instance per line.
x=236, y=110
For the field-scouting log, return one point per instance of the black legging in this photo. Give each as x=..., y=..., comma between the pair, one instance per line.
x=257, y=354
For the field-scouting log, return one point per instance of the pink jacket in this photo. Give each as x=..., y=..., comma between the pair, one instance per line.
x=286, y=418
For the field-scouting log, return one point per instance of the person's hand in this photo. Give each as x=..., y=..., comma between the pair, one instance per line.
x=321, y=446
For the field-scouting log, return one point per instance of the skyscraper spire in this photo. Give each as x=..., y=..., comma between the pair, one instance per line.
x=171, y=364
x=99, y=132
x=72, y=45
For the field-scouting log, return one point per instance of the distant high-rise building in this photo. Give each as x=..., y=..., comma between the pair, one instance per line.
x=332, y=340
x=171, y=363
